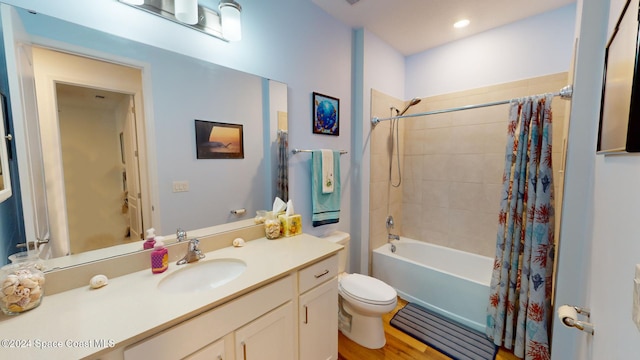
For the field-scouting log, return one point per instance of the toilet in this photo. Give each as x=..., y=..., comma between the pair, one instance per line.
x=363, y=300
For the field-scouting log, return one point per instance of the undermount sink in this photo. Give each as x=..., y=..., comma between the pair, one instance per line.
x=202, y=275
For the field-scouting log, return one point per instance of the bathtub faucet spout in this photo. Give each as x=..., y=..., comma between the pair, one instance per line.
x=393, y=237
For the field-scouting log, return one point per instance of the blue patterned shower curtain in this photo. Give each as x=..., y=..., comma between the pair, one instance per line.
x=282, y=183
x=519, y=311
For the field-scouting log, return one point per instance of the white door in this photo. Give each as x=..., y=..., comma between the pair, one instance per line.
x=25, y=120
x=133, y=173
x=599, y=243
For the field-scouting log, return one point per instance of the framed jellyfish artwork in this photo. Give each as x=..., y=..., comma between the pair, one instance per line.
x=325, y=112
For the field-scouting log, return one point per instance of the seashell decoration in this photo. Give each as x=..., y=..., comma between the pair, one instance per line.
x=22, y=290
x=98, y=281
x=238, y=242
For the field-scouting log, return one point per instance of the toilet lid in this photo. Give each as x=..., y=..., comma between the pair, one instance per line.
x=367, y=289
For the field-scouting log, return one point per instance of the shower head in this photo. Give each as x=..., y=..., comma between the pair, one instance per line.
x=413, y=101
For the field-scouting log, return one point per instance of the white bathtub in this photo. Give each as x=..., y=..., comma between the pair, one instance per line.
x=450, y=282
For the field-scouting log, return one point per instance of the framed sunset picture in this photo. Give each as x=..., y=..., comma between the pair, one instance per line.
x=326, y=114
x=215, y=140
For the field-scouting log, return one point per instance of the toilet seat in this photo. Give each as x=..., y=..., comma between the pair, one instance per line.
x=367, y=289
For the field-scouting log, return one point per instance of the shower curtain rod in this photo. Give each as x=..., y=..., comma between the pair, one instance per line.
x=565, y=93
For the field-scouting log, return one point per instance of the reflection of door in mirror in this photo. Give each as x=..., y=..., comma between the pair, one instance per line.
x=100, y=209
x=84, y=105
x=5, y=181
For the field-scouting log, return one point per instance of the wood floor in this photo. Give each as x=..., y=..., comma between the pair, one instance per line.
x=400, y=346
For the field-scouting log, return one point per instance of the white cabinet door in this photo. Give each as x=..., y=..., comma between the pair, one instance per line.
x=318, y=322
x=270, y=337
x=213, y=351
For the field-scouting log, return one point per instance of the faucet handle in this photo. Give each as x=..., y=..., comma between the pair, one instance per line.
x=181, y=235
x=193, y=244
x=390, y=224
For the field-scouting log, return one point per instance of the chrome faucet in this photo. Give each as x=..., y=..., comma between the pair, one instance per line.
x=392, y=245
x=181, y=235
x=193, y=253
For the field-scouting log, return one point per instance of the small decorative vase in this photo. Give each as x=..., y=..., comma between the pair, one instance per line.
x=271, y=226
x=22, y=283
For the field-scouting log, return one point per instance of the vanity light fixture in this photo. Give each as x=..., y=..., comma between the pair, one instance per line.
x=224, y=25
x=461, y=24
x=230, y=20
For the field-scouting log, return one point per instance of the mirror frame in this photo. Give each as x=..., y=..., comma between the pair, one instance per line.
x=5, y=192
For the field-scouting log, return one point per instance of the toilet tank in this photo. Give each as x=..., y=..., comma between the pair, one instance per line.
x=341, y=238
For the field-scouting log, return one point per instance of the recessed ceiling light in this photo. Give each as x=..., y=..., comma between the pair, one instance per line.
x=462, y=23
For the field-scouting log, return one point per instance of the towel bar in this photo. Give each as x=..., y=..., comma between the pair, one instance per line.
x=295, y=151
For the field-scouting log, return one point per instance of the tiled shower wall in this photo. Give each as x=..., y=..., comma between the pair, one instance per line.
x=452, y=166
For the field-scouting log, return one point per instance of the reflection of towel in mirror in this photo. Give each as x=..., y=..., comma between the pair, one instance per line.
x=325, y=207
x=327, y=171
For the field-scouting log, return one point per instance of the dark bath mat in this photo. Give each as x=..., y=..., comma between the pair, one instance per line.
x=444, y=335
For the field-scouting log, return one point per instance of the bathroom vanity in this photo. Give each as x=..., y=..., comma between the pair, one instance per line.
x=282, y=306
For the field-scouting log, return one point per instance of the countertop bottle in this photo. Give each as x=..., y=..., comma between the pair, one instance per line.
x=151, y=239
x=159, y=257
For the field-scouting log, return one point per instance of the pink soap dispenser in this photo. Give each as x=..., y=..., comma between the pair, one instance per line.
x=151, y=239
x=159, y=257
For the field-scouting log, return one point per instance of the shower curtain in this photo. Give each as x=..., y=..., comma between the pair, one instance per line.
x=519, y=311
x=282, y=183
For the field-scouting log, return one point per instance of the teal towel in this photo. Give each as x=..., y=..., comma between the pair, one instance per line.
x=325, y=207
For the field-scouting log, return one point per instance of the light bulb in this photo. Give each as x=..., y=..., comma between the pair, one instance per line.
x=230, y=20
x=186, y=11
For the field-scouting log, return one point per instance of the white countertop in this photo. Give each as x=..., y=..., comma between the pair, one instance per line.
x=131, y=307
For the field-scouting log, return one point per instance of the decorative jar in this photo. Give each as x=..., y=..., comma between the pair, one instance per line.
x=22, y=283
x=271, y=226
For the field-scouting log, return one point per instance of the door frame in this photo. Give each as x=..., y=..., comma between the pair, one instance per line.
x=47, y=78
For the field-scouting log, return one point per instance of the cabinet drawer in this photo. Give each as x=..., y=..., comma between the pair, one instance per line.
x=317, y=273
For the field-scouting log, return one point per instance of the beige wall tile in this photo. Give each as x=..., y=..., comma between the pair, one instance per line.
x=412, y=180
x=464, y=168
x=380, y=139
x=378, y=195
x=411, y=221
x=437, y=141
x=435, y=219
x=493, y=165
x=434, y=237
x=379, y=168
x=495, y=139
x=466, y=196
x=468, y=139
x=435, y=167
x=435, y=193
x=414, y=142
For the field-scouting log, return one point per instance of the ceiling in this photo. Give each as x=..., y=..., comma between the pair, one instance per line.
x=80, y=96
x=412, y=26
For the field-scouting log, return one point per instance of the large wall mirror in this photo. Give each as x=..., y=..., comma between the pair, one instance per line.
x=112, y=144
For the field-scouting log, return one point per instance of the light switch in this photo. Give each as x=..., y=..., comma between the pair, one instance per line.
x=180, y=186
x=636, y=298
